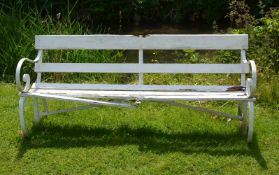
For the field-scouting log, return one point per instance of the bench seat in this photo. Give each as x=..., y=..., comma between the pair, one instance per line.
x=141, y=94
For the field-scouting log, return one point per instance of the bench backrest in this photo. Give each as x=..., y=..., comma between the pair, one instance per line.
x=149, y=42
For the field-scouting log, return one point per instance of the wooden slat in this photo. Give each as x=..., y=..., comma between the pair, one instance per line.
x=148, y=95
x=149, y=42
x=141, y=68
x=130, y=87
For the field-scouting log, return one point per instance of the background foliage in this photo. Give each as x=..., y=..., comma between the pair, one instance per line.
x=22, y=20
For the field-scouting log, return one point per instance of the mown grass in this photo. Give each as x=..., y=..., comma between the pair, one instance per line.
x=151, y=139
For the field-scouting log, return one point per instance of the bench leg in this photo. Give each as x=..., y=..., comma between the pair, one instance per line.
x=21, y=116
x=243, y=112
x=36, y=112
x=251, y=121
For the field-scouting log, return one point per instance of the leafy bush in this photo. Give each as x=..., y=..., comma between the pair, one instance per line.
x=264, y=42
x=264, y=49
x=239, y=13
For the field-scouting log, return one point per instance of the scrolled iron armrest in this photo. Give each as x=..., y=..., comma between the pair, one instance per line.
x=251, y=82
x=26, y=77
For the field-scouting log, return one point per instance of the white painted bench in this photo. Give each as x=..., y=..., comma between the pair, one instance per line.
x=96, y=94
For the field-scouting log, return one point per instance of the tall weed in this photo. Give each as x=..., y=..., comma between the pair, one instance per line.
x=18, y=32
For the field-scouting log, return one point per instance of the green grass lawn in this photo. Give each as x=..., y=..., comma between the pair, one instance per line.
x=151, y=139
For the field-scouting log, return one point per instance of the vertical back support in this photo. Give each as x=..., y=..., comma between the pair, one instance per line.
x=243, y=61
x=140, y=82
x=140, y=62
x=39, y=75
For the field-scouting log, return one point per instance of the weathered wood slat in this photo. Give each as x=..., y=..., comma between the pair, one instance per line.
x=149, y=42
x=128, y=87
x=137, y=93
x=149, y=95
x=141, y=68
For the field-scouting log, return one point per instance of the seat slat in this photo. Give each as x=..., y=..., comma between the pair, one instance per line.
x=149, y=42
x=143, y=94
x=141, y=68
x=129, y=87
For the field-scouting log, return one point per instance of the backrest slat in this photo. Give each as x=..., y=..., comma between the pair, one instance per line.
x=149, y=42
x=141, y=68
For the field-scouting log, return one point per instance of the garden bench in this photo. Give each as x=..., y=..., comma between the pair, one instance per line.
x=124, y=94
